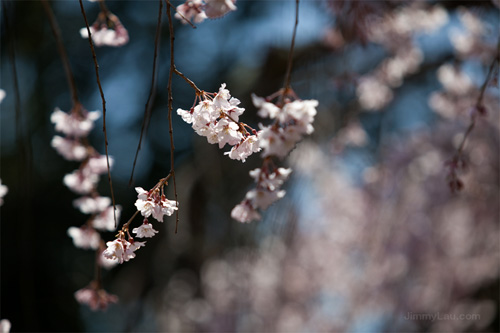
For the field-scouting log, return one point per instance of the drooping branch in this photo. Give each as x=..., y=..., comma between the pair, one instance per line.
x=152, y=91
x=96, y=65
x=62, y=52
x=170, y=106
x=288, y=74
x=457, y=162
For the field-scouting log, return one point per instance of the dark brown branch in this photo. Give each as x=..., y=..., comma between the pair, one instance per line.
x=288, y=74
x=96, y=65
x=478, y=106
x=62, y=52
x=191, y=83
x=170, y=107
x=152, y=91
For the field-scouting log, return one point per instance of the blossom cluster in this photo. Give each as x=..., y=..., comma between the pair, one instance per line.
x=148, y=203
x=395, y=31
x=74, y=146
x=95, y=297
x=198, y=10
x=217, y=118
x=266, y=192
x=474, y=39
x=292, y=120
x=107, y=30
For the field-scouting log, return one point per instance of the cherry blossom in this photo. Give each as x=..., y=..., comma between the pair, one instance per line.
x=106, y=219
x=266, y=109
x=81, y=181
x=191, y=10
x=217, y=119
x=69, y=148
x=92, y=205
x=98, y=164
x=3, y=191
x=198, y=10
x=5, y=326
x=107, y=30
x=84, y=237
x=122, y=250
x=270, y=181
x=219, y=8
x=293, y=118
x=245, y=148
x=96, y=299
x=107, y=263
x=74, y=124
x=154, y=204
x=145, y=230
x=292, y=121
x=245, y=212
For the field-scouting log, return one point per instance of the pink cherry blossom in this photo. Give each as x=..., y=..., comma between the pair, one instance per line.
x=106, y=219
x=84, y=237
x=96, y=299
x=81, y=181
x=73, y=124
x=3, y=191
x=69, y=148
x=92, y=205
x=154, y=204
x=121, y=250
x=218, y=8
x=145, y=230
x=98, y=164
x=245, y=212
x=191, y=10
x=5, y=326
x=245, y=148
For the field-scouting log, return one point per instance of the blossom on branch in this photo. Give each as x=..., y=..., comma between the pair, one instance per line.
x=76, y=124
x=145, y=230
x=107, y=30
x=84, y=237
x=121, y=250
x=95, y=298
x=92, y=205
x=217, y=119
x=71, y=149
x=105, y=220
x=154, y=204
x=197, y=10
x=292, y=121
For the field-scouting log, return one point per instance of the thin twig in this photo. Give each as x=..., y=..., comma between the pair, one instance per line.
x=478, y=106
x=62, y=52
x=152, y=91
x=170, y=107
x=96, y=65
x=288, y=74
x=191, y=83
x=103, y=7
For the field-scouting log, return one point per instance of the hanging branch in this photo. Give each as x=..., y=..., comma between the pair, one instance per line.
x=288, y=74
x=457, y=163
x=62, y=52
x=170, y=106
x=152, y=92
x=96, y=65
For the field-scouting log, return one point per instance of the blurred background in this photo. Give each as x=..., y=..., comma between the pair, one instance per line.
x=369, y=237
